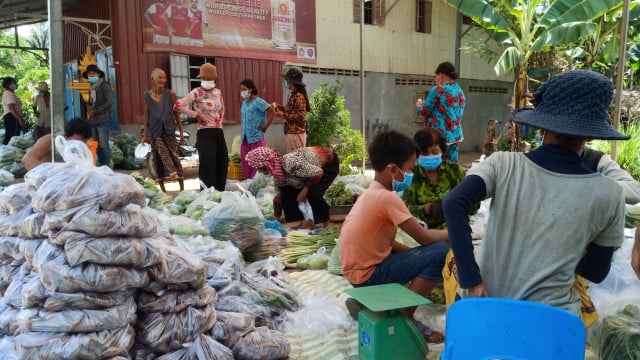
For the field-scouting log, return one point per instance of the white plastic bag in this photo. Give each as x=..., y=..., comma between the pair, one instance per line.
x=305, y=209
x=74, y=151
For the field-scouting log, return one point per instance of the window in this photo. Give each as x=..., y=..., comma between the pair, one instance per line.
x=423, y=16
x=374, y=12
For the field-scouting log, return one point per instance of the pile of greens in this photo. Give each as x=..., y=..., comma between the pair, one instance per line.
x=617, y=336
x=337, y=194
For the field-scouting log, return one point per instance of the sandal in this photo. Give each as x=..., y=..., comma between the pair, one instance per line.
x=430, y=335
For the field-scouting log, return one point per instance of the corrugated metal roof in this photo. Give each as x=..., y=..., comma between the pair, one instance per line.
x=24, y=12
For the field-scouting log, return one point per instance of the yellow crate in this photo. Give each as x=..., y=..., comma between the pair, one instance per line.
x=234, y=172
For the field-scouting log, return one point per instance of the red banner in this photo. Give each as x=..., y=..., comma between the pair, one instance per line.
x=283, y=30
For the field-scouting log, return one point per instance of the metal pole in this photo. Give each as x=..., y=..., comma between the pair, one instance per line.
x=624, y=29
x=55, y=68
x=362, y=117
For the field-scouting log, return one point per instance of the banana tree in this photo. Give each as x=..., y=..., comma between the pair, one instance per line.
x=525, y=27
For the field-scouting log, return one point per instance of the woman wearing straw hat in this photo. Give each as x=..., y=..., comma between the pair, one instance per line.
x=295, y=112
x=533, y=250
x=208, y=109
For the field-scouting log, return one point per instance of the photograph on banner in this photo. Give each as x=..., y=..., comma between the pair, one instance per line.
x=283, y=30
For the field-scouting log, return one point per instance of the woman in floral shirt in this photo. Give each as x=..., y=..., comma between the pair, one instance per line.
x=432, y=179
x=295, y=112
x=300, y=176
x=444, y=107
x=208, y=108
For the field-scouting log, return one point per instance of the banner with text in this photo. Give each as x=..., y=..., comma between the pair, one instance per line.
x=283, y=30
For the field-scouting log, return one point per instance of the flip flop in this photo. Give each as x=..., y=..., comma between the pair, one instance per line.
x=427, y=332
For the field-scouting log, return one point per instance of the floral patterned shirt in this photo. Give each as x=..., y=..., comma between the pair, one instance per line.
x=423, y=191
x=443, y=109
x=207, y=103
x=303, y=167
x=295, y=115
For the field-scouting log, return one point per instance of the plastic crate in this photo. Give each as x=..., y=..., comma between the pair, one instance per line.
x=234, y=172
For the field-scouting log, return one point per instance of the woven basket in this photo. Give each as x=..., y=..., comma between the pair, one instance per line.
x=234, y=172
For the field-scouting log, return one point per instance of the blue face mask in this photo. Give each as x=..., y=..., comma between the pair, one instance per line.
x=404, y=184
x=93, y=79
x=286, y=85
x=430, y=162
x=15, y=87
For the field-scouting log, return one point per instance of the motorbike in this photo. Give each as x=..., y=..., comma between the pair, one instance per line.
x=186, y=149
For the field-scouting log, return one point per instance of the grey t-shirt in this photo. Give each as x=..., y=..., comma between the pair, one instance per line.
x=539, y=226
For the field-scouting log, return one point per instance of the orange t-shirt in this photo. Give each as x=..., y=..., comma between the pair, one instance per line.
x=369, y=230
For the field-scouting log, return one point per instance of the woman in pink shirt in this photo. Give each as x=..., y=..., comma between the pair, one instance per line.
x=208, y=109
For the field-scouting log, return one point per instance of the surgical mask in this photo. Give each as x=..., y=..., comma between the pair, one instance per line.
x=93, y=79
x=245, y=94
x=41, y=92
x=207, y=84
x=15, y=87
x=430, y=162
x=404, y=184
x=286, y=85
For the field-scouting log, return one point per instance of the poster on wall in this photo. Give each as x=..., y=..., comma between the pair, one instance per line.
x=283, y=30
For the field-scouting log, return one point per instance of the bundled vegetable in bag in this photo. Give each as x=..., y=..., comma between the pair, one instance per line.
x=237, y=219
x=202, y=348
x=617, y=334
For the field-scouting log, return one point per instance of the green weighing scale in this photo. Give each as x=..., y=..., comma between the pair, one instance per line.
x=384, y=333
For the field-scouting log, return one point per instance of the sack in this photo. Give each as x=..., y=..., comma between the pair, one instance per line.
x=74, y=151
x=238, y=219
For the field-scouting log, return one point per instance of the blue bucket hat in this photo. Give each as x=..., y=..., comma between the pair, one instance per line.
x=573, y=103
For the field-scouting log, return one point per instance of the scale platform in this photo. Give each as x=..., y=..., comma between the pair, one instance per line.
x=384, y=333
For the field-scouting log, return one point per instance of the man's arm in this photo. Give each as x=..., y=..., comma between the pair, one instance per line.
x=38, y=154
x=105, y=105
x=630, y=186
x=596, y=263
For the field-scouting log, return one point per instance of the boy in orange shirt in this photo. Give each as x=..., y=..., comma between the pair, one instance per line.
x=369, y=253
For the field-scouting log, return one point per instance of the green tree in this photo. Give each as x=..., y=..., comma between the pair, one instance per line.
x=329, y=124
x=526, y=27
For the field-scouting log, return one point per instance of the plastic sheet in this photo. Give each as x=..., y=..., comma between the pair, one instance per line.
x=237, y=219
x=319, y=315
x=115, y=250
x=261, y=343
x=77, y=187
x=131, y=220
x=77, y=321
x=57, y=346
x=165, y=332
x=202, y=348
x=176, y=301
x=56, y=275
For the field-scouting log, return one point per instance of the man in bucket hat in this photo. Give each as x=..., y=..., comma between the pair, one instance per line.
x=551, y=218
x=99, y=111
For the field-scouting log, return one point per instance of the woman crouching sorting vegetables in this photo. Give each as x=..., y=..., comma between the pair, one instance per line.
x=299, y=176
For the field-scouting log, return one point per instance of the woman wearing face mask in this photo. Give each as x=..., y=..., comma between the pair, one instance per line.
x=13, y=117
x=257, y=116
x=433, y=178
x=208, y=109
x=295, y=112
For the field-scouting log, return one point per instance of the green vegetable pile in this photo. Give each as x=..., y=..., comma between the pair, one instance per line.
x=303, y=245
x=194, y=204
x=337, y=194
x=617, y=336
x=157, y=199
x=234, y=158
x=128, y=143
